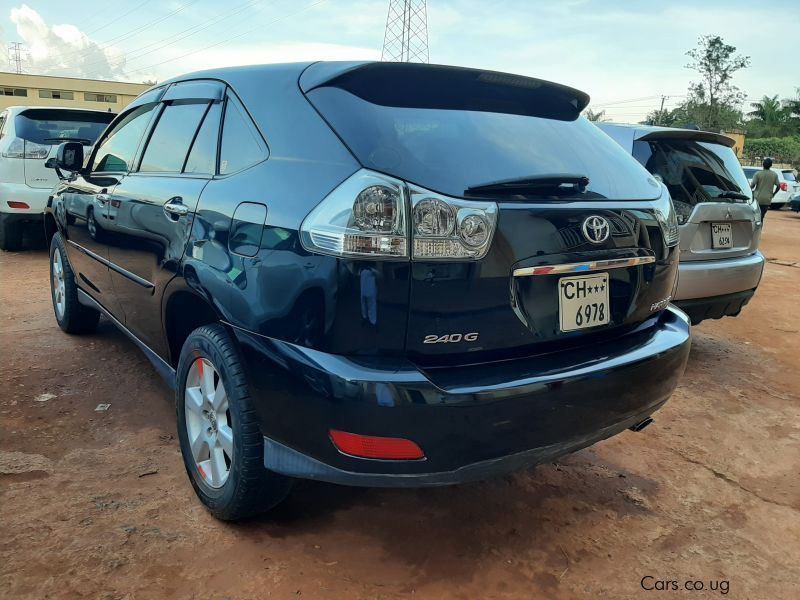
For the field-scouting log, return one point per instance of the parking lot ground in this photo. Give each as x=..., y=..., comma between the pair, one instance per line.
x=97, y=505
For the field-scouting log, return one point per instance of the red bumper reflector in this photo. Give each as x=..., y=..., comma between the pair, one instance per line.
x=15, y=204
x=365, y=446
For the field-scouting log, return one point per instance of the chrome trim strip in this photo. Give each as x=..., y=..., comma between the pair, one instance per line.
x=114, y=267
x=584, y=267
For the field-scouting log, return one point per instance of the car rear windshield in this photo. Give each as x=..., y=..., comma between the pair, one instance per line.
x=789, y=176
x=53, y=126
x=693, y=171
x=750, y=171
x=451, y=150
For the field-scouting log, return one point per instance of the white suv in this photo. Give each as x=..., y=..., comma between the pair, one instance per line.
x=28, y=137
x=786, y=180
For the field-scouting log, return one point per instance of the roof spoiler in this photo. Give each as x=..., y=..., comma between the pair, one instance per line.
x=414, y=85
x=688, y=134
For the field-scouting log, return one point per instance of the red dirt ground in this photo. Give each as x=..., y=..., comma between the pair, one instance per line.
x=710, y=493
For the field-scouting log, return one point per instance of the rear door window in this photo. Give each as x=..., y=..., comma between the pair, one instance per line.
x=449, y=150
x=116, y=151
x=242, y=145
x=172, y=137
x=54, y=126
x=202, y=158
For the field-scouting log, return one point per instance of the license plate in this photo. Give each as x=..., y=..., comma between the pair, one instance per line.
x=583, y=301
x=721, y=235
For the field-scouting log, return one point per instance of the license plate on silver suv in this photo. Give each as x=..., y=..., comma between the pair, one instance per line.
x=721, y=235
x=583, y=301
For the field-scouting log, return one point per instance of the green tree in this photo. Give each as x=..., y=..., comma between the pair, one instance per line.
x=714, y=100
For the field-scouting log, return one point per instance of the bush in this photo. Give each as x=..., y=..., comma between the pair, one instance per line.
x=785, y=149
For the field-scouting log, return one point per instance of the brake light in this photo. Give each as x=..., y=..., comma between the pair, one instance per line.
x=15, y=204
x=368, y=215
x=366, y=446
x=19, y=148
x=784, y=186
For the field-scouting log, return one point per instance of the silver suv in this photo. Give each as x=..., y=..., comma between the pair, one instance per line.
x=720, y=223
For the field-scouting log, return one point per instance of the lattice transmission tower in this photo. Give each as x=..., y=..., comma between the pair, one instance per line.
x=16, y=57
x=406, y=37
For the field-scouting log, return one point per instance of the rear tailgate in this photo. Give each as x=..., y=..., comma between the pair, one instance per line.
x=709, y=188
x=43, y=129
x=450, y=131
x=511, y=298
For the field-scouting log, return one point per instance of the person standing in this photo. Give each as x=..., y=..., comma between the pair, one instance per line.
x=765, y=184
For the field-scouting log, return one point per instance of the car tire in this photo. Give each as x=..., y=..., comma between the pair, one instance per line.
x=221, y=441
x=10, y=235
x=71, y=315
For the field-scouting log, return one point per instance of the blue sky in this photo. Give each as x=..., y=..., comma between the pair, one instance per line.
x=625, y=54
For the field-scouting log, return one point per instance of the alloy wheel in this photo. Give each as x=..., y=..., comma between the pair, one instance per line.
x=208, y=423
x=59, y=288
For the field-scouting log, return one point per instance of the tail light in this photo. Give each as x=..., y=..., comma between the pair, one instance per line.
x=668, y=219
x=16, y=204
x=784, y=186
x=367, y=215
x=19, y=148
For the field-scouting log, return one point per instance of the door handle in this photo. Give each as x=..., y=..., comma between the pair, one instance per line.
x=176, y=207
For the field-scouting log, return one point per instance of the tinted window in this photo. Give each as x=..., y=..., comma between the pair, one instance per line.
x=54, y=126
x=169, y=144
x=242, y=147
x=789, y=176
x=451, y=150
x=203, y=156
x=693, y=171
x=117, y=150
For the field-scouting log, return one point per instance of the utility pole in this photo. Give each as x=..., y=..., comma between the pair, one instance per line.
x=661, y=110
x=15, y=53
x=406, y=37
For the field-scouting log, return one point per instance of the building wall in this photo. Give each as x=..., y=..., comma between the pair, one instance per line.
x=39, y=87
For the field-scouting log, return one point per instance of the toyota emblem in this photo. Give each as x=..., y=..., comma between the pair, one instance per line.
x=596, y=229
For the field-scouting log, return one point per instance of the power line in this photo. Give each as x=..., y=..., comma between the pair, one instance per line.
x=122, y=16
x=228, y=39
x=77, y=55
x=177, y=37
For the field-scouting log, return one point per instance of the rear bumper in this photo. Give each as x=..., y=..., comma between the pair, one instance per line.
x=35, y=198
x=709, y=278
x=716, y=307
x=471, y=422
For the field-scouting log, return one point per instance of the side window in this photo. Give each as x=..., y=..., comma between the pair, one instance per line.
x=118, y=148
x=242, y=146
x=2, y=123
x=169, y=144
x=203, y=155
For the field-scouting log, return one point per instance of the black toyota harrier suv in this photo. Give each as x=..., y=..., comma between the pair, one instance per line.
x=371, y=273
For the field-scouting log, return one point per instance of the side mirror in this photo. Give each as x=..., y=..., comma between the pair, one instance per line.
x=69, y=156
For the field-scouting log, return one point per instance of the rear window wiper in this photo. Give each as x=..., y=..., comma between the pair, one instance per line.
x=84, y=141
x=555, y=184
x=733, y=195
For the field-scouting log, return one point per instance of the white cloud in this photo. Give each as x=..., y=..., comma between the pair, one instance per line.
x=64, y=49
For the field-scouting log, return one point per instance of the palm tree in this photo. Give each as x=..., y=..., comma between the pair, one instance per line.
x=597, y=117
x=769, y=117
